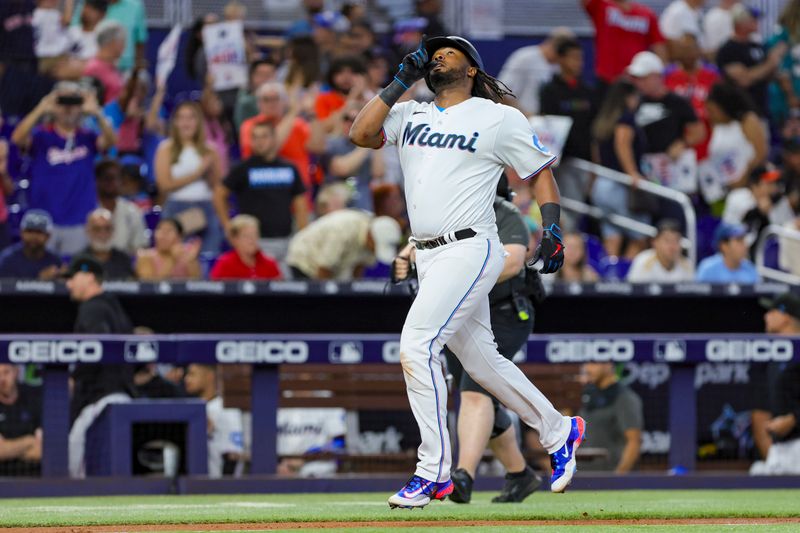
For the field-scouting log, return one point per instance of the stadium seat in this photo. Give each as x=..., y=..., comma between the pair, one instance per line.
x=595, y=253
x=772, y=253
x=613, y=268
x=706, y=225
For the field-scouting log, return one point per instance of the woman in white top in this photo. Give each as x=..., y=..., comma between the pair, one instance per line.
x=187, y=169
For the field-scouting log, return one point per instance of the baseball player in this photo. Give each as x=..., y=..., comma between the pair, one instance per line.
x=481, y=418
x=452, y=152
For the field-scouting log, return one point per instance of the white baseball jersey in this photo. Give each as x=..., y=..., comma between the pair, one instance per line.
x=452, y=160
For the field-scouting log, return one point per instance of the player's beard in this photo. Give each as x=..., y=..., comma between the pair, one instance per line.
x=441, y=79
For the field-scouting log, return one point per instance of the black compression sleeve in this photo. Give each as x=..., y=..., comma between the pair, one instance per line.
x=551, y=214
x=392, y=93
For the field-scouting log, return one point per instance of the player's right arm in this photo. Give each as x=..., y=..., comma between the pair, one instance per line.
x=367, y=129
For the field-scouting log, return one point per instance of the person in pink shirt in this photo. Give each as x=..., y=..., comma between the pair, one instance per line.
x=103, y=66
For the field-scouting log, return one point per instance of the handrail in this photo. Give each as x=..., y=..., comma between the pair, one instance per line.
x=761, y=246
x=653, y=188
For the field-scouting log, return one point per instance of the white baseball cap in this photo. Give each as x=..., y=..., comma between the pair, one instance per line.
x=386, y=233
x=644, y=64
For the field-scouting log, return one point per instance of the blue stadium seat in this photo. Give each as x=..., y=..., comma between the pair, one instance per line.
x=613, y=268
x=207, y=261
x=595, y=253
x=706, y=225
x=771, y=253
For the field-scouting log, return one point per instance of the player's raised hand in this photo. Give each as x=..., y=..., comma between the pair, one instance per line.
x=413, y=66
x=550, y=250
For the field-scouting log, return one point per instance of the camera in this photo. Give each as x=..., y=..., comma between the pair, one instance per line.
x=69, y=99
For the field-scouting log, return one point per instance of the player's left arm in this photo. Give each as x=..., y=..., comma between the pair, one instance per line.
x=551, y=247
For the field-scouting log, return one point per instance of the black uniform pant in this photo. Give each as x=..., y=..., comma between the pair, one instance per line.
x=510, y=334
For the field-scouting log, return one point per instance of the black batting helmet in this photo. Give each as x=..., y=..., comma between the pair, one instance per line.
x=459, y=43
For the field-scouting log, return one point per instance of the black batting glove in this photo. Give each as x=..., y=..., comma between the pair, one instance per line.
x=550, y=250
x=414, y=65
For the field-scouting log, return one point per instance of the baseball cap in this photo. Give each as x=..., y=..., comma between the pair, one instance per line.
x=37, y=220
x=386, y=233
x=85, y=263
x=331, y=20
x=726, y=231
x=787, y=302
x=742, y=11
x=644, y=64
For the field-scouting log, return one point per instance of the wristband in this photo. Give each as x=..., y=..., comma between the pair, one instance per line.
x=392, y=92
x=551, y=214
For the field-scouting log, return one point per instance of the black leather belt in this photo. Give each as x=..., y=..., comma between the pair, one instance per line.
x=459, y=235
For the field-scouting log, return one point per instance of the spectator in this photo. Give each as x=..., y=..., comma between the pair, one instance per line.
x=783, y=457
x=134, y=188
x=187, y=170
x=29, y=259
x=95, y=386
x=62, y=156
x=327, y=28
x=132, y=118
x=692, y=79
x=359, y=39
x=621, y=144
x=150, y=383
x=345, y=80
x=18, y=62
x=718, y=26
x=664, y=262
x=615, y=411
x=170, y=258
x=389, y=202
x=576, y=267
x=790, y=175
x=681, y=17
x=218, y=129
x=245, y=261
x=308, y=431
x=261, y=71
x=20, y=425
x=131, y=14
x=267, y=188
x=785, y=103
x=668, y=120
x=302, y=66
x=195, y=55
x=431, y=11
x=129, y=227
x=354, y=10
x=377, y=71
x=738, y=140
x=51, y=39
x=566, y=95
x=529, y=68
x=225, y=439
x=99, y=229
x=758, y=205
x=744, y=61
x=6, y=189
x=83, y=35
x=730, y=264
x=303, y=26
x=359, y=167
x=339, y=245
x=103, y=66
x=622, y=29
x=332, y=197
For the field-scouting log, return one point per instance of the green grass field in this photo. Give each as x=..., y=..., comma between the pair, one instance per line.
x=579, y=505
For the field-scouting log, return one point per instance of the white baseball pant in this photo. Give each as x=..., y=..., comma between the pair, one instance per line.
x=452, y=307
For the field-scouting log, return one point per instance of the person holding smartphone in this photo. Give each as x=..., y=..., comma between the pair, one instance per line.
x=62, y=157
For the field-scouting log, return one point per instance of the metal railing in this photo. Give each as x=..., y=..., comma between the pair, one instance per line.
x=761, y=247
x=689, y=242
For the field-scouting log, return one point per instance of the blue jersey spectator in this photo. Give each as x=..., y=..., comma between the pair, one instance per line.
x=730, y=264
x=62, y=161
x=29, y=259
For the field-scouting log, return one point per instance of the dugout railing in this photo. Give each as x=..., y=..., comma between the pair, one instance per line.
x=266, y=352
x=777, y=237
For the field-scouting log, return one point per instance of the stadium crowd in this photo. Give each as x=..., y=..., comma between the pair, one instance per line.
x=102, y=166
x=98, y=157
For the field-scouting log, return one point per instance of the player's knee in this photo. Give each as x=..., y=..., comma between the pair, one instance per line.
x=475, y=400
x=501, y=421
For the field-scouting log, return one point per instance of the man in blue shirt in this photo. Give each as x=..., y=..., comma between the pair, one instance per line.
x=730, y=264
x=29, y=259
x=62, y=161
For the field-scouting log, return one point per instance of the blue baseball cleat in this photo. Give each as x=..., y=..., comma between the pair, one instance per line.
x=563, y=461
x=418, y=492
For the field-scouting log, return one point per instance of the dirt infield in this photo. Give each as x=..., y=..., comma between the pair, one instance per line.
x=398, y=524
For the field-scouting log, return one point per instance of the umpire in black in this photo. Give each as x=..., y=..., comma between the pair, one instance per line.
x=94, y=385
x=481, y=418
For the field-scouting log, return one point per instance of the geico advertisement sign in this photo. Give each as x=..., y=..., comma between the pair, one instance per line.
x=55, y=351
x=261, y=352
x=616, y=350
x=761, y=350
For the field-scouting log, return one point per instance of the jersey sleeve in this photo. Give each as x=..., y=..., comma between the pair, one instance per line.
x=393, y=125
x=518, y=146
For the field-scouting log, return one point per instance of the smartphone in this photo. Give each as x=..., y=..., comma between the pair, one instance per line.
x=69, y=99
